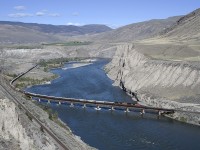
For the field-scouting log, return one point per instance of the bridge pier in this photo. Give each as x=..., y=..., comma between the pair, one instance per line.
x=84, y=106
x=160, y=112
x=71, y=105
x=142, y=112
x=59, y=103
x=127, y=110
x=98, y=108
x=112, y=108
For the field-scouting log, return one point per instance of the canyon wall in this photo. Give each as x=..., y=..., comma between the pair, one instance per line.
x=167, y=84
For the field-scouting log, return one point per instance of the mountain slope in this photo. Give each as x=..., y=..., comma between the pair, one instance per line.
x=135, y=31
x=17, y=34
x=68, y=30
x=186, y=28
x=178, y=42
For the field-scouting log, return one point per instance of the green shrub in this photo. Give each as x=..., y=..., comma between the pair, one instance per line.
x=183, y=119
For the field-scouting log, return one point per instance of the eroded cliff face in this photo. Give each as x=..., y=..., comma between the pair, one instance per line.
x=10, y=126
x=13, y=135
x=169, y=84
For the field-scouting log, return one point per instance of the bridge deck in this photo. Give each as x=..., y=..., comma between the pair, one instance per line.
x=97, y=103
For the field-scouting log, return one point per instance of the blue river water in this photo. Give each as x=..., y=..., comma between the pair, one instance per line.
x=115, y=130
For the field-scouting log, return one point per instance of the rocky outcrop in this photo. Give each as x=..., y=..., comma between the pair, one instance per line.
x=13, y=135
x=168, y=84
x=10, y=126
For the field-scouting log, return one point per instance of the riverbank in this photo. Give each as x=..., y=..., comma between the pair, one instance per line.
x=186, y=112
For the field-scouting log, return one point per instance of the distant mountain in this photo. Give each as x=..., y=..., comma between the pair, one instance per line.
x=68, y=30
x=136, y=31
x=19, y=32
x=185, y=29
x=11, y=34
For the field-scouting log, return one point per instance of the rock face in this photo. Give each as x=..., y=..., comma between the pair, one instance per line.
x=158, y=83
x=139, y=73
x=10, y=126
x=12, y=133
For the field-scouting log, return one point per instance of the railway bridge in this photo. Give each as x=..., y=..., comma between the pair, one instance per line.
x=99, y=104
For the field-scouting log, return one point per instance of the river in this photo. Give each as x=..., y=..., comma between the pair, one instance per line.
x=115, y=130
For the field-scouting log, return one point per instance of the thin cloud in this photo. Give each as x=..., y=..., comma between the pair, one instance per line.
x=20, y=8
x=44, y=13
x=40, y=13
x=54, y=15
x=74, y=24
x=20, y=15
x=75, y=13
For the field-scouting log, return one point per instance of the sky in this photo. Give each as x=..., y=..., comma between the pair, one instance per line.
x=114, y=13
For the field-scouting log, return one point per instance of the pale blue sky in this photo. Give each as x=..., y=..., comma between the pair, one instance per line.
x=114, y=13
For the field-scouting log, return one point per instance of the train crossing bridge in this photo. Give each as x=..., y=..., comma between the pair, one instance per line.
x=98, y=104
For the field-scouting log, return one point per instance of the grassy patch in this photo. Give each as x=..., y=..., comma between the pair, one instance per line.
x=183, y=119
x=9, y=76
x=26, y=81
x=55, y=63
x=71, y=43
x=29, y=116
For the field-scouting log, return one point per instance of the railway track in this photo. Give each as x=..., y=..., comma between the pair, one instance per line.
x=59, y=143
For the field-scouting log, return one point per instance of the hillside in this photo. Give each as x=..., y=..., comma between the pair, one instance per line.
x=18, y=32
x=187, y=28
x=178, y=42
x=68, y=30
x=135, y=31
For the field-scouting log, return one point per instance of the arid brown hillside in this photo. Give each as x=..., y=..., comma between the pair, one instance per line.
x=18, y=32
x=135, y=31
x=186, y=28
